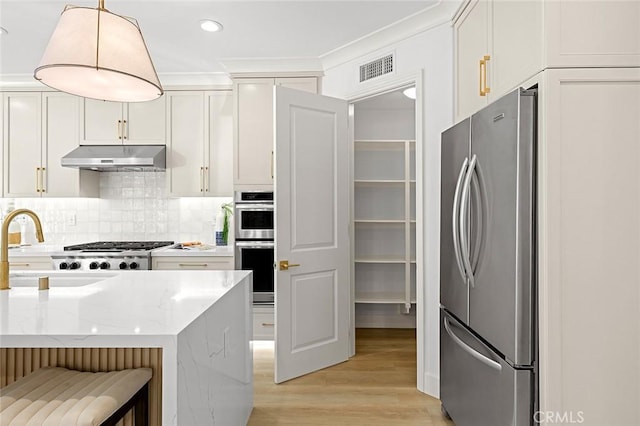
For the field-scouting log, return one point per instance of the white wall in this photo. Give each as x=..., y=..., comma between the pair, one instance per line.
x=133, y=206
x=432, y=53
x=384, y=124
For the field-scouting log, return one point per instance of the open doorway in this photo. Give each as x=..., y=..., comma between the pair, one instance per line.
x=385, y=188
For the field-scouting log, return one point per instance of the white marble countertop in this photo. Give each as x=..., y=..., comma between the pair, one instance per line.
x=194, y=251
x=191, y=251
x=200, y=319
x=44, y=249
x=119, y=310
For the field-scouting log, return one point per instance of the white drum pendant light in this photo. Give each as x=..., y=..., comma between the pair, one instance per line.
x=97, y=54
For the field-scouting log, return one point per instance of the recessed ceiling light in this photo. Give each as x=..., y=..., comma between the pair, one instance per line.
x=3, y=31
x=410, y=92
x=210, y=25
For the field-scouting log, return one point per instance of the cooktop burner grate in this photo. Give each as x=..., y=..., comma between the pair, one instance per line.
x=119, y=245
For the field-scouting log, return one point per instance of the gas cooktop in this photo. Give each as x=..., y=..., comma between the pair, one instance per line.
x=116, y=246
x=134, y=255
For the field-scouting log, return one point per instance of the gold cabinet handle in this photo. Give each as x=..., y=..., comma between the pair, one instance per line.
x=271, y=164
x=201, y=179
x=187, y=265
x=119, y=129
x=268, y=324
x=26, y=265
x=42, y=177
x=285, y=265
x=124, y=129
x=206, y=179
x=37, y=179
x=484, y=89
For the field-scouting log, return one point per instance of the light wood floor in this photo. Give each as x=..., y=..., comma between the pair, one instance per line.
x=376, y=387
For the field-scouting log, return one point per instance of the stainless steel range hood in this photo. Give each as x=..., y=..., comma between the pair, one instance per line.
x=106, y=158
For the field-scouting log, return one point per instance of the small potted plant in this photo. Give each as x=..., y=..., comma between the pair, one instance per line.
x=222, y=230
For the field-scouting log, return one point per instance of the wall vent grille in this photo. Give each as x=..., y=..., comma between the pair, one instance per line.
x=376, y=68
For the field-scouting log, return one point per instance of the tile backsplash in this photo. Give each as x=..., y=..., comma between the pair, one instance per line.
x=132, y=206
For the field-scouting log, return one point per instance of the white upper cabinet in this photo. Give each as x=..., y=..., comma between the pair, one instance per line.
x=603, y=33
x=253, y=138
x=502, y=43
x=22, y=144
x=40, y=128
x=219, y=149
x=199, y=143
x=59, y=137
x=253, y=147
x=104, y=123
x=185, y=143
x=498, y=45
x=472, y=35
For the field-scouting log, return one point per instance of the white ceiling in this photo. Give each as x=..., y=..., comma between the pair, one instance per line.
x=252, y=29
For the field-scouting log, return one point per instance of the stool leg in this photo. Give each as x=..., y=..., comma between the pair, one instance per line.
x=141, y=408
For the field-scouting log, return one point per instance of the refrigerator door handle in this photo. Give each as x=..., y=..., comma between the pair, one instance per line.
x=480, y=213
x=464, y=205
x=456, y=219
x=477, y=355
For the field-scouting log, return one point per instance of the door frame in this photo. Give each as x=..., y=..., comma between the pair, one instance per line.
x=372, y=90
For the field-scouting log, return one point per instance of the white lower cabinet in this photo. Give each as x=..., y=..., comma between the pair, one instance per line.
x=23, y=263
x=263, y=322
x=220, y=263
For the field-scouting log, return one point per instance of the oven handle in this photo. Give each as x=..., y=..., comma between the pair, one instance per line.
x=255, y=244
x=261, y=207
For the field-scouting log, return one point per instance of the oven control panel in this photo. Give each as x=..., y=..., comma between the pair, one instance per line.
x=101, y=263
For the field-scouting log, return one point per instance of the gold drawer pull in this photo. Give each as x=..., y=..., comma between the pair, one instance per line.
x=19, y=264
x=193, y=264
x=268, y=324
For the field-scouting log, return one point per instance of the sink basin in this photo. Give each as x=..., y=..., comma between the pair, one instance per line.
x=57, y=279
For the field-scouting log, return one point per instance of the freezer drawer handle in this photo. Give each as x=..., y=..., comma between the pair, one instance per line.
x=477, y=355
x=455, y=219
x=464, y=205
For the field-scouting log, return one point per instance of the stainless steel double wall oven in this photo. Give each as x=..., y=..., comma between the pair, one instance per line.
x=254, y=220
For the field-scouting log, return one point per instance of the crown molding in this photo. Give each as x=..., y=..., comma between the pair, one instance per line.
x=27, y=82
x=195, y=79
x=21, y=82
x=424, y=20
x=237, y=67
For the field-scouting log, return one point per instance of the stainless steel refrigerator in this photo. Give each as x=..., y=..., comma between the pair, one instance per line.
x=487, y=265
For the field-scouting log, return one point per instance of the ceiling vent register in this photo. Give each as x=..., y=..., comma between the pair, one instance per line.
x=376, y=68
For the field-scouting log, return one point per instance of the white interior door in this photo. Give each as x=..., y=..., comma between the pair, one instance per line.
x=312, y=297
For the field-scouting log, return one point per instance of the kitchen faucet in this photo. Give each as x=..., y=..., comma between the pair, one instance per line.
x=4, y=248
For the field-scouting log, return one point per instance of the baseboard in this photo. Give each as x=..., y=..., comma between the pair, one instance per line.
x=432, y=385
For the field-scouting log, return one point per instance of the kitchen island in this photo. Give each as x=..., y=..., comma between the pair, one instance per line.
x=199, y=322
